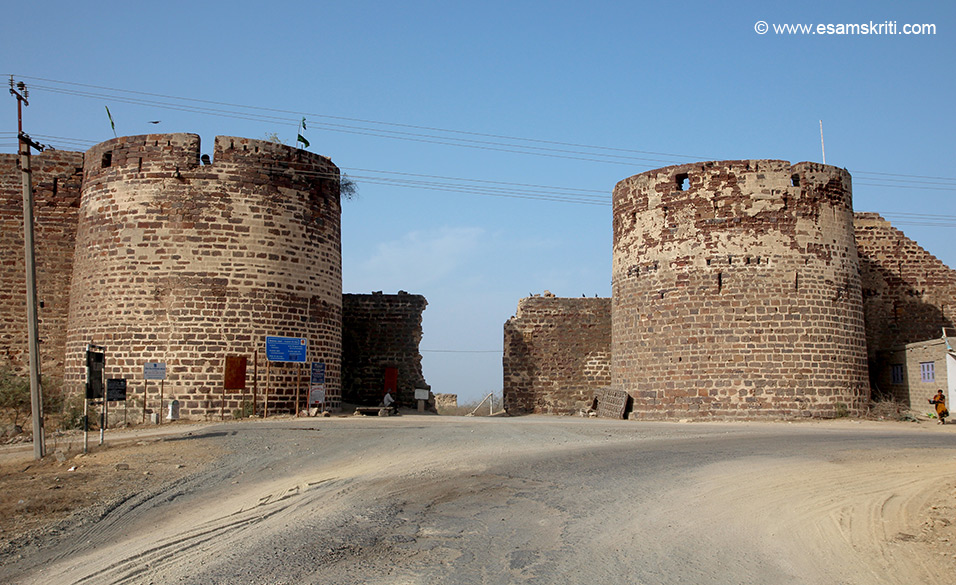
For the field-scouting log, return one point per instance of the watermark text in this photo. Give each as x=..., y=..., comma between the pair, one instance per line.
x=886, y=27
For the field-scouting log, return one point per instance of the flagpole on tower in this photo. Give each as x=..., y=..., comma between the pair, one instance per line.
x=822, y=149
x=299, y=137
x=110, y=116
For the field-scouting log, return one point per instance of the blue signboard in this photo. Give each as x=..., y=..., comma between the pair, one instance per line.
x=286, y=349
x=318, y=373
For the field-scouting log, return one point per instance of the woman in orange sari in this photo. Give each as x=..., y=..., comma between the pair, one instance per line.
x=940, y=401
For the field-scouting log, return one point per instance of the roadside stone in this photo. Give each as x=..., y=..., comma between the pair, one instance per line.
x=122, y=467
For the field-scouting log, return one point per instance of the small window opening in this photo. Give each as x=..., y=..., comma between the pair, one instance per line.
x=796, y=281
x=55, y=185
x=139, y=165
x=683, y=182
x=795, y=180
x=107, y=160
x=720, y=281
x=662, y=294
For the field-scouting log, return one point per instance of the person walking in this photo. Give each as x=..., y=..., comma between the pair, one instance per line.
x=940, y=401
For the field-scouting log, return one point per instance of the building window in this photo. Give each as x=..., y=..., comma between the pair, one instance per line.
x=897, y=373
x=927, y=371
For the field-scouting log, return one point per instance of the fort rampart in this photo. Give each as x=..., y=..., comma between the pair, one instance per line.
x=57, y=176
x=557, y=352
x=736, y=291
x=183, y=262
x=909, y=297
x=908, y=294
x=382, y=332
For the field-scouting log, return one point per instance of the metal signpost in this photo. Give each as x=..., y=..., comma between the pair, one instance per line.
x=154, y=371
x=95, y=363
x=317, y=384
x=284, y=349
x=116, y=392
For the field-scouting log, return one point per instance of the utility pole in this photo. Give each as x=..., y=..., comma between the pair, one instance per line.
x=21, y=93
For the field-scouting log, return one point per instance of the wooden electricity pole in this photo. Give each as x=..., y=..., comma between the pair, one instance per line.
x=20, y=92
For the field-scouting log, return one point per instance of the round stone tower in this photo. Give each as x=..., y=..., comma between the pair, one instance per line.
x=736, y=292
x=187, y=261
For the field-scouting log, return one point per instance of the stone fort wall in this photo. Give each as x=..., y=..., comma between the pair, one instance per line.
x=57, y=176
x=909, y=296
x=381, y=331
x=736, y=291
x=907, y=293
x=557, y=352
x=185, y=263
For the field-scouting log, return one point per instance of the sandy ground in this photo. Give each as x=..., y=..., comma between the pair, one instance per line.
x=419, y=499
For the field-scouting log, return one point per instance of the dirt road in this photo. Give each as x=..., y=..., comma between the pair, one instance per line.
x=420, y=499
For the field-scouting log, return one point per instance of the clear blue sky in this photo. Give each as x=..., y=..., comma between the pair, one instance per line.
x=692, y=80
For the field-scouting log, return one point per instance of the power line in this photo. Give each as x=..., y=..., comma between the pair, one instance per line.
x=393, y=134
x=884, y=179
x=367, y=121
x=480, y=181
x=444, y=140
x=900, y=175
x=953, y=188
x=461, y=351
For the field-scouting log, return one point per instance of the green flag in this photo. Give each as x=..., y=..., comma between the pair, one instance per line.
x=110, y=116
x=303, y=123
x=303, y=140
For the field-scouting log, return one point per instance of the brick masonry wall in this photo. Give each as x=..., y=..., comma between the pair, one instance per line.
x=381, y=331
x=908, y=294
x=186, y=263
x=56, y=192
x=556, y=354
x=736, y=291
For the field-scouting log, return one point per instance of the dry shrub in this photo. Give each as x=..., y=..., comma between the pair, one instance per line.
x=888, y=409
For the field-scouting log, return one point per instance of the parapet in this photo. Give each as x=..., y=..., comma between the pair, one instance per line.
x=154, y=156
